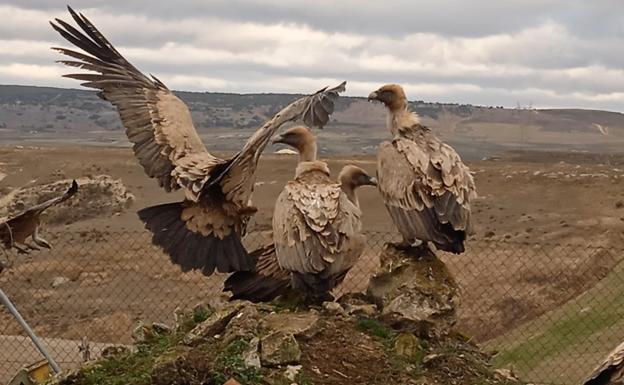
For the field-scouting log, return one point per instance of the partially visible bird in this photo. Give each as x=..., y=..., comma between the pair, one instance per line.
x=611, y=370
x=15, y=230
x=269, y=280
x=424, y=184
x=204, y=231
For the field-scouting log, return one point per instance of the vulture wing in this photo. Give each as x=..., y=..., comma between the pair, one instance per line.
x=426, y=188
x=314, y=110
x=264, y=284
x=157, y=122
x=312, y=223
x=611, y=371
x=24, y=223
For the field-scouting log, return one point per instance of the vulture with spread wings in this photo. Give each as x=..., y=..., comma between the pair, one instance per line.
x=269, y=280
x=204, y=231
x=16, y=229
x=425, y=186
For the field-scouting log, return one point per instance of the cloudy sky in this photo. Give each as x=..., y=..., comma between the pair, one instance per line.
x=548, y=53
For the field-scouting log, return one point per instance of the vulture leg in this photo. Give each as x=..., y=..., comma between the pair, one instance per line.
x=40, y=241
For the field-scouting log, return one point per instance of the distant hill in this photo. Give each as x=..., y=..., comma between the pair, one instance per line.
x=57, y=115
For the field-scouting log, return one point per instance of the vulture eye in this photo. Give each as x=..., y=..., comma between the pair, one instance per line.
x=387, y=95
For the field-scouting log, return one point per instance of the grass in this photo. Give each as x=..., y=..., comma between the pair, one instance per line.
x=229, y=363
x=375, y=328
x=592, y=323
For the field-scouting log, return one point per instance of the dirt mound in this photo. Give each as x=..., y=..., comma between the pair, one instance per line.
x=98, y=195
x=266, y=344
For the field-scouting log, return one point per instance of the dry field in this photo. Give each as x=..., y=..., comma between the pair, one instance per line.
x=570, y=205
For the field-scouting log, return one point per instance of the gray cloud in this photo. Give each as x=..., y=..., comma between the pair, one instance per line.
x=550, y=53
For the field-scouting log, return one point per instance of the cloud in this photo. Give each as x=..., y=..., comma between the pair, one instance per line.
x=547, y=52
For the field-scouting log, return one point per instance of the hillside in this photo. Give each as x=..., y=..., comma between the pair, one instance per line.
x=56, y=115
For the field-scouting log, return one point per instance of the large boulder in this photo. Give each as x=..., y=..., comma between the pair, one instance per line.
x=415, y=291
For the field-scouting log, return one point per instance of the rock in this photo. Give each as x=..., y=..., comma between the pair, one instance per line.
x=302, y=325
x=292, y=371
x=279, y=348
x=251, y=355
x=333, y=308
x=415, y=291
x=358, y=304
x=170, y=369
x=139, y=333
x=506, y=374
x=215, y=324
x=115, y=350
x=161, y=328
x=59, y=281
x=408, y=345
x=243, y=325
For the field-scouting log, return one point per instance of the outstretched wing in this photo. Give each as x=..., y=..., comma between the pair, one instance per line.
x=314, y=110
x=29, y=217
x=156, y=121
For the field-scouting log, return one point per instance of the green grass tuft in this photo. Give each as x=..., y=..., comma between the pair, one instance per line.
x=229, y=363
x=375, y=328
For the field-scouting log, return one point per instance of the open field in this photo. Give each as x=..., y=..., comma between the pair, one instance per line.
x=562, y=202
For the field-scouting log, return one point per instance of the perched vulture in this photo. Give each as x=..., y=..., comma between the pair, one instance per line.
x=611, y=371
x=204, y=231
x=269, y=280
x=15, y=230
x=424, y=184
x=316, y=228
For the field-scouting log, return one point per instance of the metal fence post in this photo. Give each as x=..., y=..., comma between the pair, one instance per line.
x=7, y=303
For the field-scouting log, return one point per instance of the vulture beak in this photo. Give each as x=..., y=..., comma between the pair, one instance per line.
x=373, y=96
x=277, y=139
x=372, y=181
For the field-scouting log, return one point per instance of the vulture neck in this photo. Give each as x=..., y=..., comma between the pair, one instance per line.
x=314, y=166
x=349, y=190
x=402, y=121
x=307, y=151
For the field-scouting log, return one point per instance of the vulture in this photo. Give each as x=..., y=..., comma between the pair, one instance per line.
x=16, y=229
x=269, y=280
x=203, y=231
x=611, y=371
x=316, y=228
x=424, y=184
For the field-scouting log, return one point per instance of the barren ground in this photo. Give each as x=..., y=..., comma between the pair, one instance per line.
x=570, y=205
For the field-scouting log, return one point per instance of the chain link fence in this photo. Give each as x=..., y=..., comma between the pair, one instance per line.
x=550, y=312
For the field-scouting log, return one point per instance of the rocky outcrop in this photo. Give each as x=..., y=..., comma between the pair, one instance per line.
x=415, y=291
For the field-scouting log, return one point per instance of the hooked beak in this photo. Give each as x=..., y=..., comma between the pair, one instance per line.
x=372, y=181
x=277, y=139
x=373, y=96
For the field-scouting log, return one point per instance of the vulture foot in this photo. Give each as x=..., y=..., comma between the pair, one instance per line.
x=21, y=249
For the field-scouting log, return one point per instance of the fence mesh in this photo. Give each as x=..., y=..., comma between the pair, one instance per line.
x=549, y=311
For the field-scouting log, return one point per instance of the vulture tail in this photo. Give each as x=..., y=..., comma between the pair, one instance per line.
x=191, y=250
x=263, y=285
x=313, y=285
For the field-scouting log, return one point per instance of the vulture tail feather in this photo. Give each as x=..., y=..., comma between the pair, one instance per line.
x=191, y=250
x=264, y=284
x=313, y=285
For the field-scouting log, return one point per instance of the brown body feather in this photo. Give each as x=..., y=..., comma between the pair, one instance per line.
x=218, y=191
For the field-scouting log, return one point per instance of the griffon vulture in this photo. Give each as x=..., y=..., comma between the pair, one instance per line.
x=611, y=371
x=316, y=228
x=269, y=280
x=15, y=230
x=204, y=231
x=425, y=186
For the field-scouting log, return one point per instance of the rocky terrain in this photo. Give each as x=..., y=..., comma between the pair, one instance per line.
x=384, y=337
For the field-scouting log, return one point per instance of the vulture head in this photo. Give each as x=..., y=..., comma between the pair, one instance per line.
x=352, y=177
x=391, y=95
x=301, y=139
